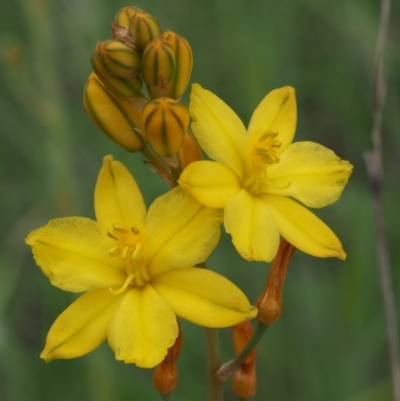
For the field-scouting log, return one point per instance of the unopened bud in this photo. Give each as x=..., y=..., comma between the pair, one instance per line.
x=242, y=334
x=184, y=63
x=269, y=303
x=244, y=382
x=135, y=27
x=118, y=59
x=165, y=377
x=190, y=150
x=165, y=122
x=125, y=89
x=119, y=120
x=158, y=67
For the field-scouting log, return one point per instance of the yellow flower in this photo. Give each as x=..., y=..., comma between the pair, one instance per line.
x=136, y=267
x=258, y=172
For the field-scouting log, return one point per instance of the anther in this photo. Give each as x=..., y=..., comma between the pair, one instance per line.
x=125, y=252
x=115, y=250
x=137, y=253
x=120, y=229
x=112, y=235
x=135, y=230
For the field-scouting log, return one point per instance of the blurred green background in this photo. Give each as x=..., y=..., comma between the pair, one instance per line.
x=330, y=343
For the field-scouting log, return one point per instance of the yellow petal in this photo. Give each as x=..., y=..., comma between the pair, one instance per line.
x=277, y=112
x=210, y=183
x=117, y=198
x=218, y=129
x=315, y=174
x=82, y=327
x=303, y=229
x=253, y=229
x=74, y=253
x=143, y=328
x=204, y=297
x=181, y=232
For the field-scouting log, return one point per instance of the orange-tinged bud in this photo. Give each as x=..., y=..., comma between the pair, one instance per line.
x=165, y=377
x=118, y=59
x=158, y=66
x=269, y=303
x=125, y=89
x=135, y=27
x=119, y=120
x=165, y=122
x=242, y=333
x=244, y=382
x=184, y=63
x=190, y=150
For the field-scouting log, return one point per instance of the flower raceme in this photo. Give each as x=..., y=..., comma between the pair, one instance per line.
x=259, y=175
x=135, y=267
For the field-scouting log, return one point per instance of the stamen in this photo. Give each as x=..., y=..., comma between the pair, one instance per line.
x=124, y=286
x=137, y=253
x=115, y=250
x=125, y=252
x=135, y=230
x=120, y=229
x=112, y=235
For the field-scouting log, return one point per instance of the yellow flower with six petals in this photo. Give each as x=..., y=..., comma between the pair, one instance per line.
x=136, y=268
x=258, y=173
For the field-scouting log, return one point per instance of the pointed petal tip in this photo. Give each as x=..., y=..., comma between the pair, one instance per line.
x=46, y=356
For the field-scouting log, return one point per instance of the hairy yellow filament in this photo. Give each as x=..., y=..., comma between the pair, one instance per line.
x=124, y=286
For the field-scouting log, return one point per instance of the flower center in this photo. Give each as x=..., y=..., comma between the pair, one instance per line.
x=264, y=152
x=266, y=149
x=129, y=245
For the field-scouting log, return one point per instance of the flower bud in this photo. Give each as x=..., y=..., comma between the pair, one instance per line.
x=135, y=27
x=165, y=122
x=190, y=150
x=269, y=303
x=244, y=382
x=118, y=59
x=158, y=67
x=125, y=89
x=165, y=377
x=184, y=63
x=242, y=333
x=119, y=120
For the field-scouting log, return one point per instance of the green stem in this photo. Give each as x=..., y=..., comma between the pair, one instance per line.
x=230, y=367
x=215, y=385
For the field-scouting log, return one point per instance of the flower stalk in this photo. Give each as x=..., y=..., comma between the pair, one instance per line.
x=373, y=160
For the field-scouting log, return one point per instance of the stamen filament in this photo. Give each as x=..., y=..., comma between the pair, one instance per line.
x=124, y=286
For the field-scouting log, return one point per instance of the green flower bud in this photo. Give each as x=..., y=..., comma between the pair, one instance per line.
x=183, y=64
x=118, y=59
x=165, y=122
x=158, y=67
x=135, y=26
x=125, y=89
x=119, y=120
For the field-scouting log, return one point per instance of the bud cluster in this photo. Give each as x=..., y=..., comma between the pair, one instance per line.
x=133, y=94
